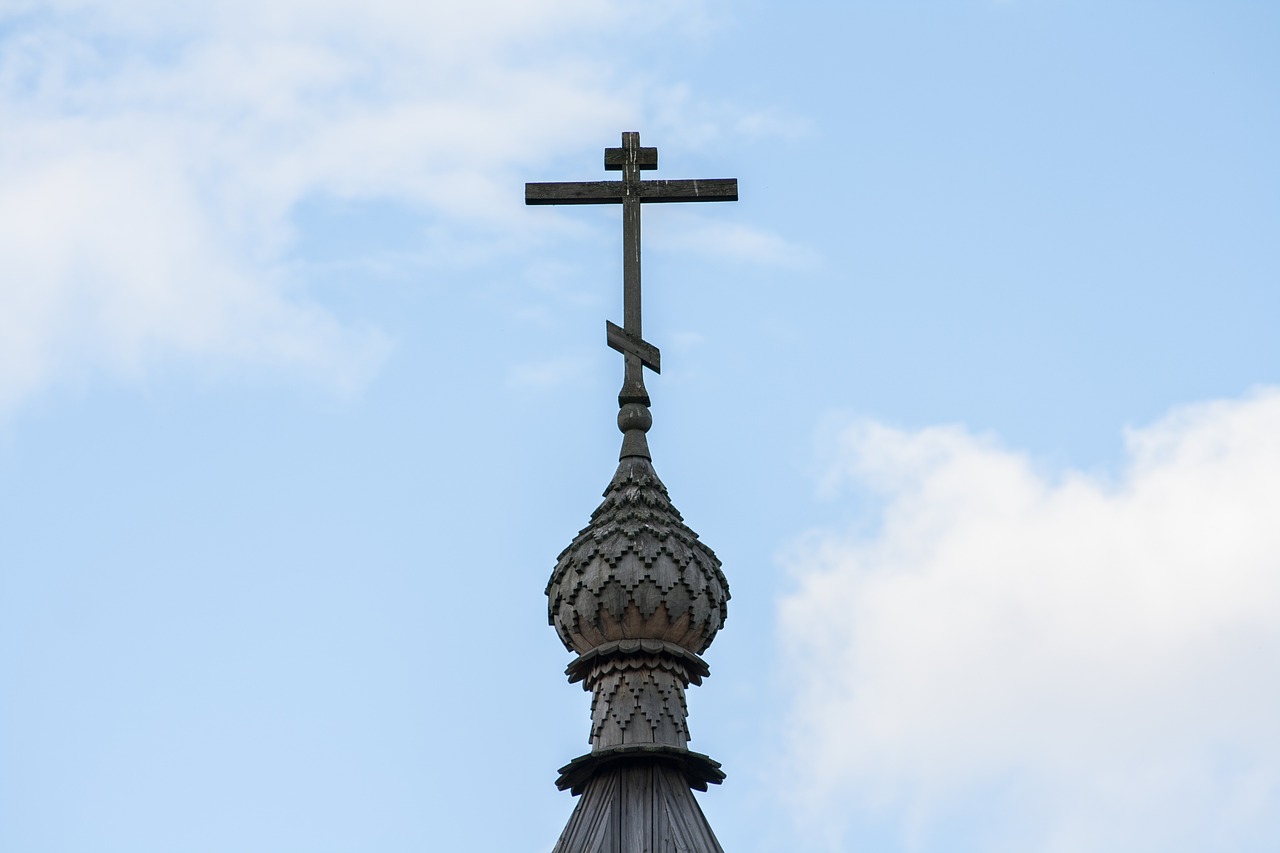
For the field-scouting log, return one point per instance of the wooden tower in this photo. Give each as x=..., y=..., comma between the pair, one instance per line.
x=636, y=594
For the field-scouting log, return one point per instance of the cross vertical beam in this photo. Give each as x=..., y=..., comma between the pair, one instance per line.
x=633, y=390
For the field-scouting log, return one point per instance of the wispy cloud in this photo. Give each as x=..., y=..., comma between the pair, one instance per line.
x=153, y=155
x=731, y=241
x=1027, y=662
x=773, y=124
x=547, y=374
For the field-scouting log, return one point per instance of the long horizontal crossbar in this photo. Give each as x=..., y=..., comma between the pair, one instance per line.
x=611, y=192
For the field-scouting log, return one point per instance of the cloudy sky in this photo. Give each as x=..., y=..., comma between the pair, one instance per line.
x=976, y=392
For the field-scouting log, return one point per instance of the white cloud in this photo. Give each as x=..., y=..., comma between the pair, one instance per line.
x=547, y=374
x=1014, y=661
x=153, y=154
x=767, y=123
x=730, y=241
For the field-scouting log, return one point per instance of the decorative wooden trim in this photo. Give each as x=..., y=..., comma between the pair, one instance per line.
x=696, y=666
x=699, y=770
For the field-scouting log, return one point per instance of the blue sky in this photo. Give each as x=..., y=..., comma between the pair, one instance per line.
x=974, y=391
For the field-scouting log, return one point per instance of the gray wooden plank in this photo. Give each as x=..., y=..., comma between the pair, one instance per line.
x=573, y=192
x=709, y=189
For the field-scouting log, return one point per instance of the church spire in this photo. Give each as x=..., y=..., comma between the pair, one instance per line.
x=636, y=594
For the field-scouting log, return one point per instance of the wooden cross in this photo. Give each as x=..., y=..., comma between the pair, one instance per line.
x=631, y=192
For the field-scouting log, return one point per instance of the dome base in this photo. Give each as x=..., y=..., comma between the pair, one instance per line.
x=634, y=806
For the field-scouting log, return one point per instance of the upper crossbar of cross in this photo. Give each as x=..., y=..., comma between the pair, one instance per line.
x=631, y=192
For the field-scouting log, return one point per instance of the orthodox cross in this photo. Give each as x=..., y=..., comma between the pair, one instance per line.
x=631, y=192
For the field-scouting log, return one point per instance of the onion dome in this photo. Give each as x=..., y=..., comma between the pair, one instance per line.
x=637, y=572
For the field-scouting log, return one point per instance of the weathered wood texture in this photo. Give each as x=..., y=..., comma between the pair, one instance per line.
x=695, y=667
x=638, y=808
x=627, y=344
x=637, y=571
x=654, y=191
x=699, y=770
x=617, y=159
x=638, y=699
